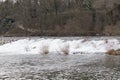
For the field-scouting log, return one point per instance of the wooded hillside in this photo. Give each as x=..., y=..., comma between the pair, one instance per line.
x=59, y=17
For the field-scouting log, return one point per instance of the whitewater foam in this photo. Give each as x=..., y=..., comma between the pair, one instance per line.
x=54, y=46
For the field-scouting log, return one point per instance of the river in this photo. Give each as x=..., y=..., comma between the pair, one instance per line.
x=98, y=66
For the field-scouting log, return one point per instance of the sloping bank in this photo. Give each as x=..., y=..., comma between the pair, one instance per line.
x=58, y=46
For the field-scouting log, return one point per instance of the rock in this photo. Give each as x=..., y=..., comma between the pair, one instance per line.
x=113, y=52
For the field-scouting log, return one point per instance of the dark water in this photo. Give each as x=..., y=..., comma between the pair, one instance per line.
x=60, y=67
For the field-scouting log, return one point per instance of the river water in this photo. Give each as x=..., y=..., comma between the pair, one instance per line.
x=98, y=66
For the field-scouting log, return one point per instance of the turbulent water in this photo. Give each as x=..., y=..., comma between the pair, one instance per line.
x=59, y=67
x=97, y=66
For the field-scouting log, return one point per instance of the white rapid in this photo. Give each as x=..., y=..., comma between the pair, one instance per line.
x=59, y=46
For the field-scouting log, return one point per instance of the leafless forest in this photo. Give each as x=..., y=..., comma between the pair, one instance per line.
x=60, y=18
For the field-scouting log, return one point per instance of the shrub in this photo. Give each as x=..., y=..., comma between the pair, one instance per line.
x=65, y=49
x=106, y=41
x=45, y=49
